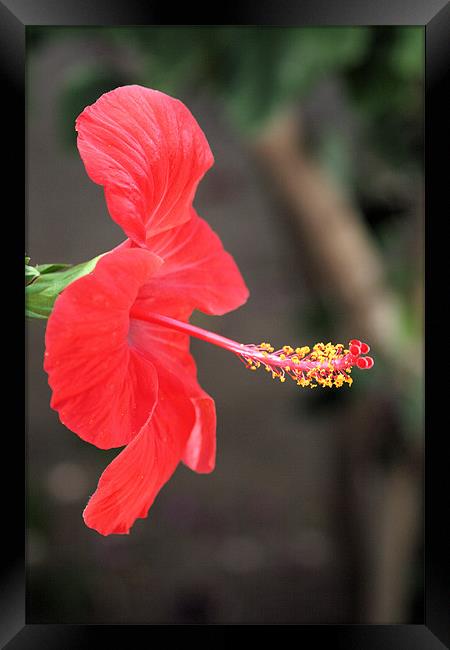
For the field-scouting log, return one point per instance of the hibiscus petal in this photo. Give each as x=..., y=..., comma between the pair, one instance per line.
x=148, y=152
x=129, y=485
x=197, y=273
x=103, y=389
x=200, y=452
x=168, y=350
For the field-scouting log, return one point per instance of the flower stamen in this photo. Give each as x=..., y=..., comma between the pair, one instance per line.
x=326, y=365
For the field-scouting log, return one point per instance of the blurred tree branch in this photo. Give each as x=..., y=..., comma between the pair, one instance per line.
x=351, y=270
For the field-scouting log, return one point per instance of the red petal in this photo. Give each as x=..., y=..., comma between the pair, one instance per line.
x=200, y=452
x=148, y=152
x=103, y=390
x=197, y=272
x=129, y=485
x=168, y=350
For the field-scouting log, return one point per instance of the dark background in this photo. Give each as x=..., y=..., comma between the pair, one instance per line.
x=314, y=511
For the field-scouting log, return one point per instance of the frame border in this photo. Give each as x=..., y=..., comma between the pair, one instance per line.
x=434, y=16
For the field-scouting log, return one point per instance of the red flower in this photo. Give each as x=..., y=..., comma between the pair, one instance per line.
x=116, y=379
x=117, y=341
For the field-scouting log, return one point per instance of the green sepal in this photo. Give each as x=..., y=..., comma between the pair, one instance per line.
x=50, y=268
x=41, y=294
x=30, y=273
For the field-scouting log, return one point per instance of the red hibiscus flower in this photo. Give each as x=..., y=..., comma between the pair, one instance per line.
x=117, y=341
x=116, y=379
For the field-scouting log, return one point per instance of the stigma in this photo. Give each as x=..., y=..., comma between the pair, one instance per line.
x=326, y=365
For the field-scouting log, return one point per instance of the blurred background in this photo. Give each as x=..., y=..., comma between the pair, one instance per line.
x=314, y=511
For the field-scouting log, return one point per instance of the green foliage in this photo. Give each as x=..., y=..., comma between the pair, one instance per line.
x=387, y=92
x=254, y=70
x=257, y=71
x=407, y=53
x=41, y=294
x=170, y=58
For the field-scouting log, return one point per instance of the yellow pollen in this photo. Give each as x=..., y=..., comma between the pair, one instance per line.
x=322, y=366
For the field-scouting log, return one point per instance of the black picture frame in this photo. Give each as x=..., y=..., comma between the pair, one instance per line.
x=15, y=17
